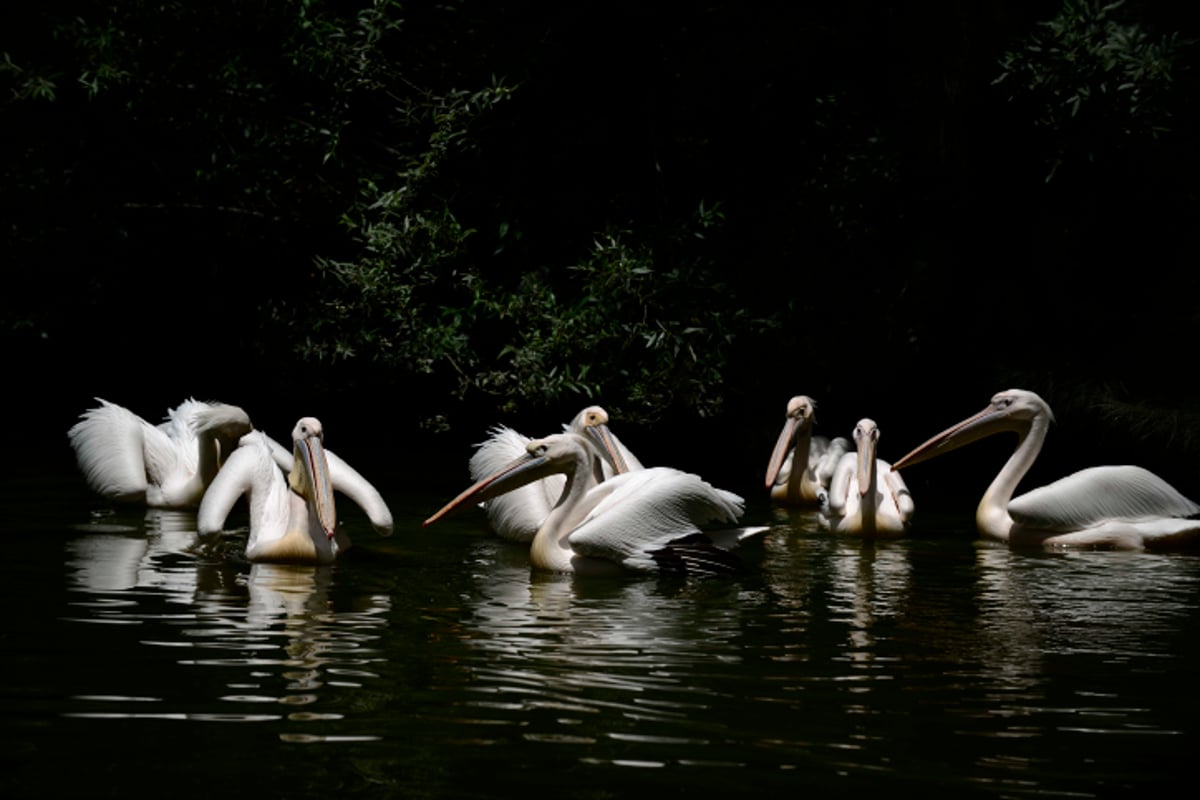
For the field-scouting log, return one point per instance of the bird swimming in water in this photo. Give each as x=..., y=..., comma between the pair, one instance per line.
x=517, y=514
x=866, y=496
x=170, y=465
x=802, y=464
x=656, y=519
x=1118, y=507
x=293, y=518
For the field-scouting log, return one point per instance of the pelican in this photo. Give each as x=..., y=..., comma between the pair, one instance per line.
x=866, y=496
x=796, y=445
x=292, y=519
x=517, y=514
x=649, y=520
x=1120, y=507
x=593, y=421
x=169, y=465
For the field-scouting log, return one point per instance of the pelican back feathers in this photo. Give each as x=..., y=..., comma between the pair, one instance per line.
x=1100, y=494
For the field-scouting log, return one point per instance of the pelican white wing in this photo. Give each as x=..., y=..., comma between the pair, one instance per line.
x=1123, y=507
x=636, y=513
x=168, y=465
x=518, y=514
x=347, y=480
x=825, y=456
x=648, y=520
x=1100, y=494
x=109, y=443
x=292, y=518
x=250, y=469
x=515, y=515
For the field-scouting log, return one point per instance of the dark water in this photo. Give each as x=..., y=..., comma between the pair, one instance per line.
x=434, y=664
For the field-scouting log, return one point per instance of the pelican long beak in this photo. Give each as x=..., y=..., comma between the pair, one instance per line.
x=866, y=449
x=526, y=469
x=786, y=438
x=987, y=422
x=604, y=437
x=310, y=479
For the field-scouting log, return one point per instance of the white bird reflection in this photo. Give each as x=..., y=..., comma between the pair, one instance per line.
x=118, y=555
x=320, y=646
x=1042, y=606
x=870, y=584
x=858, y=583
x=285, y=593
x=243, y=639
x=545, y=641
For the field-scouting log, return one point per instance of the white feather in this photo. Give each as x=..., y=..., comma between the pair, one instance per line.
x=1123, y=507
x=284, y=524
x=169, y=465
x=515, y=515
x=647, y=520
x=1099, y=494
x=638, y=512
x=518, y=514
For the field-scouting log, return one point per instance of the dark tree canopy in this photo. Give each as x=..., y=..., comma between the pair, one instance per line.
x=467, y=212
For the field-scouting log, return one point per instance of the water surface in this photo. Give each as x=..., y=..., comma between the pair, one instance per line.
x=435, y=664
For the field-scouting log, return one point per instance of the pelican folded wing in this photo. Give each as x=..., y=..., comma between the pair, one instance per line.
x=1100, y=494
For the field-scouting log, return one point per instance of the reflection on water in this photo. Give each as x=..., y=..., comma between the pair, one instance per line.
x=1040, y=614
x=833, y=665
x=632, y=666
x=270, y=633
x=116, y=557
x=871, y=659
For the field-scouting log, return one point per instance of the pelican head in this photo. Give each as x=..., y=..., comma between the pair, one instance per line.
x=1015, y=410
x=309, y=477
x=593, y=422
x=557, y=453
x=866, y=442
x=801, y=413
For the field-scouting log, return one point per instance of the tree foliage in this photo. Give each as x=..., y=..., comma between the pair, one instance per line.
x=512, y=206
x=1095, y=82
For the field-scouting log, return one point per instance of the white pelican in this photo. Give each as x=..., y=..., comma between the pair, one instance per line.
x=866, y=496
x=796, y=445
x=649, y=520
x=125, y=458
x=1121, y=507
x=292, y=519
x=516, y=515
x=593, y=421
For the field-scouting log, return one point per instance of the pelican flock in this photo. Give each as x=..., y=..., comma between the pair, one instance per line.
x=517, y=514
x=123, y=457
x=866, y=496
x=801, y=464
x=292, y=519
x=584, y=503
x=1120, y=507
x=655, y=519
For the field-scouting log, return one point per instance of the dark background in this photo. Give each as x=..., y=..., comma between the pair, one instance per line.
x=895, y=207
